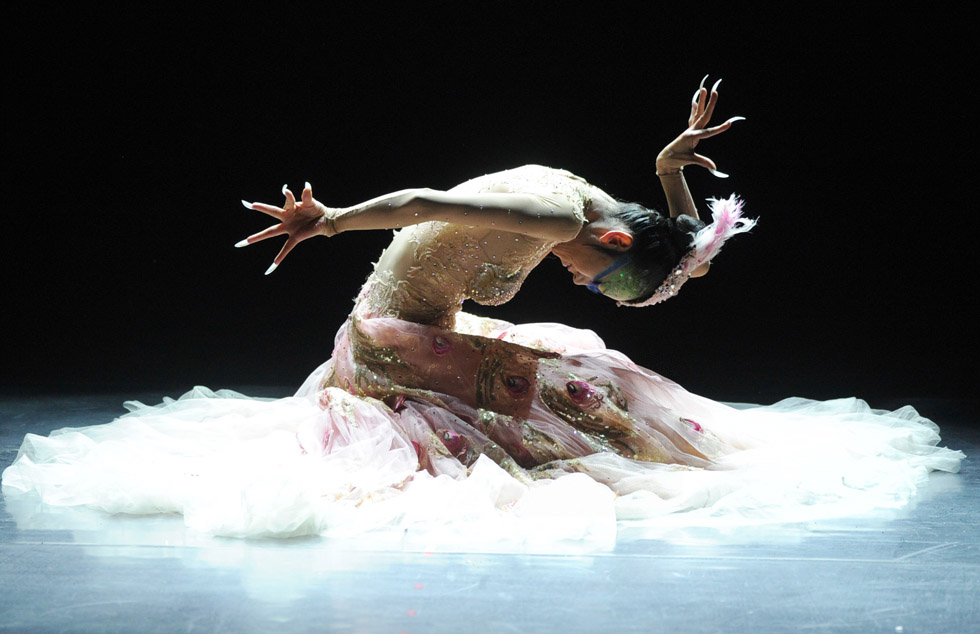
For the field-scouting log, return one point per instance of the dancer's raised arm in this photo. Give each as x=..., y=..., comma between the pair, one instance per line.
x=680, y=152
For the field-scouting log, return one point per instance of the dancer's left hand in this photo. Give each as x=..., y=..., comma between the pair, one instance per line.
x=680, y=151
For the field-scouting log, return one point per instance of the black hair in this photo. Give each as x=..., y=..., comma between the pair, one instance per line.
x=658, y=245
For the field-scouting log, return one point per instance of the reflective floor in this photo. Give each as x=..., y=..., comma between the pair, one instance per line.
x=914, y=570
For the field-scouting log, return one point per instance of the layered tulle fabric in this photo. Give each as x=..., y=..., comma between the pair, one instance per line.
x=534, y=432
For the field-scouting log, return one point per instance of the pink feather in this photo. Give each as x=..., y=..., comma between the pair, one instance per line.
x=727, y=220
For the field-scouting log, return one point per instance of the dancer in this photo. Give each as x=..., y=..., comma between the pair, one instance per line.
x=417, y=389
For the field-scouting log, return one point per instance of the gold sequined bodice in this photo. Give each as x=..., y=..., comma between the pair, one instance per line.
x=431, y=268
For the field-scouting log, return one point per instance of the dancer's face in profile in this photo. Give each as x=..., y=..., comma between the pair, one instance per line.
x=590, y=255
x=585, y=265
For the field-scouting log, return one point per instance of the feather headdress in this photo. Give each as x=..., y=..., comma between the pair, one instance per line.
x=726, y=221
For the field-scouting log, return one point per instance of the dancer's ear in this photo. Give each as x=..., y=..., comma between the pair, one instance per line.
x=616, y=239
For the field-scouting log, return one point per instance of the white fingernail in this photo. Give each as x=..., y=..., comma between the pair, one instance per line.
x=715, y=87
x=719, y=174
x=697, y=93
x=271, y=268
x=247, y=204
x=241, y=243
x=284, y=188
x=734, y=119
x=307, y=185
x=702, y=81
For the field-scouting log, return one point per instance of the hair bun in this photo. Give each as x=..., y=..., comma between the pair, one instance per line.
x=683, y=228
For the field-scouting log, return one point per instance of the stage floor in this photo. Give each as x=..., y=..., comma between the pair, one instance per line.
x=72, y=570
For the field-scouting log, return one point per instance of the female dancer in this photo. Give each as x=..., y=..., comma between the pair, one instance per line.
x=417, y=389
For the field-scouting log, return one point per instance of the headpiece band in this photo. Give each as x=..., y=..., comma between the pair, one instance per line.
x=617, y=264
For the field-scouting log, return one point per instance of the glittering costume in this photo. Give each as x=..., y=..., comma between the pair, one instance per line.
x=427, y=416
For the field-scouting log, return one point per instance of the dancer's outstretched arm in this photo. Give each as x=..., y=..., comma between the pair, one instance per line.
x=535, y=215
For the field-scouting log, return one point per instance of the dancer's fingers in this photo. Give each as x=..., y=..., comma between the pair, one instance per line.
x=271, y=210
x=703, y=161
x=709, y=109
x=718, y=129
x=271, y=232
x=290, y=199
x=286, y=248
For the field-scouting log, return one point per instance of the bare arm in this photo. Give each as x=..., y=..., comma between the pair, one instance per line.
x=534, y=214
x=528, y=214
x=679, y=199
x=680, y=152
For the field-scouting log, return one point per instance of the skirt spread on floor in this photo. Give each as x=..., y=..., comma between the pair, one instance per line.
x=532, y=431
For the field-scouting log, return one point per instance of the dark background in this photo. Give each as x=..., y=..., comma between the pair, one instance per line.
x=130, y=136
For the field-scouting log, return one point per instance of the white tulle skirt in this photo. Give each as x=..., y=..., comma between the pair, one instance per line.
x=329, y=462
x=234, y=466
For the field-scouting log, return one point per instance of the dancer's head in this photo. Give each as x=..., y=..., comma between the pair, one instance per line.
x=639, y=257
x=655, y=247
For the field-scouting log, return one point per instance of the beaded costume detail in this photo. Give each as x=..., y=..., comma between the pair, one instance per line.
x=452, y=263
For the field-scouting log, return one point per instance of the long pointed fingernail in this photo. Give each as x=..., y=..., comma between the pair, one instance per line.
x=306, y=185
x=284, y=188
x=241, y=243
x=247, y=204
x=734, y=119
x=271, y=268
x=719, y=174
x=703, y=79
x=715, y=87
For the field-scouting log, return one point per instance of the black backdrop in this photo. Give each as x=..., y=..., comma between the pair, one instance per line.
x=131, y=134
